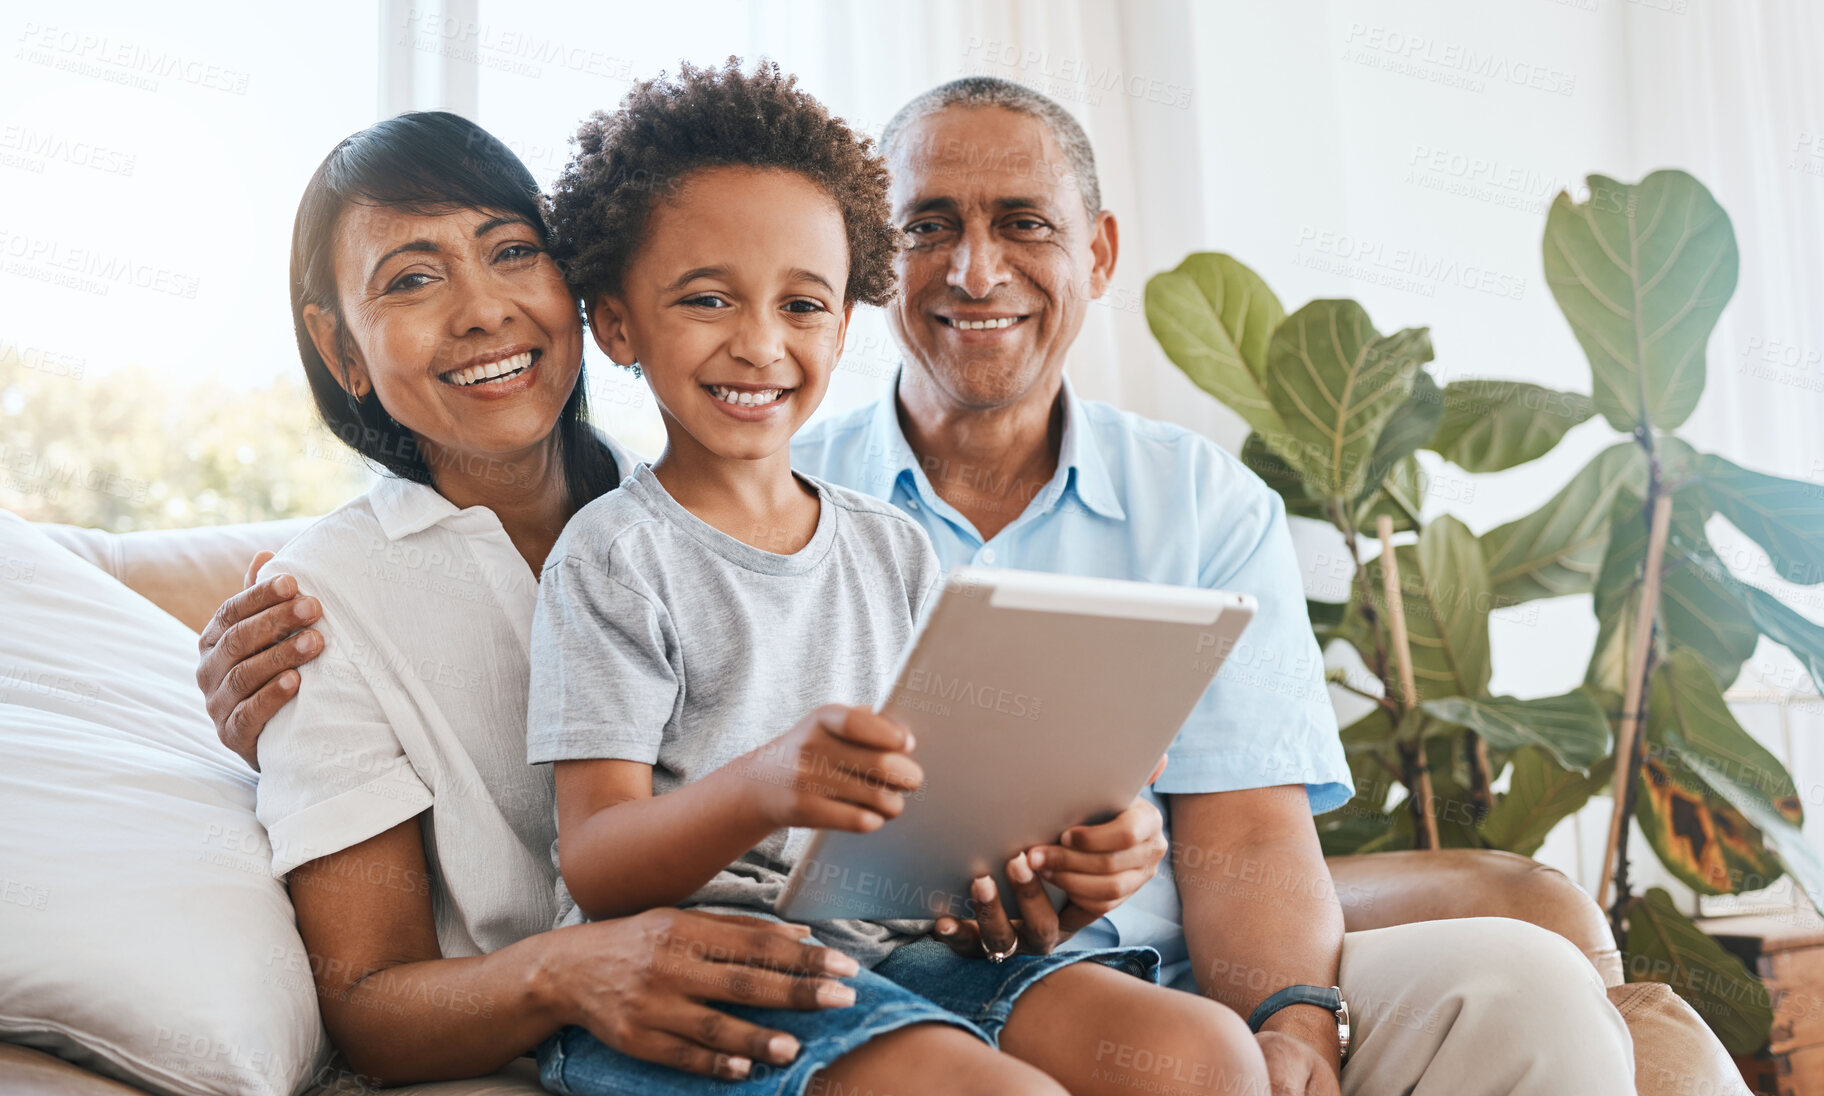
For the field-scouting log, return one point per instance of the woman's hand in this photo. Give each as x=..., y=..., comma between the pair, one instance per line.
x=645, y=985
x=248, y=669
x=1097, y=868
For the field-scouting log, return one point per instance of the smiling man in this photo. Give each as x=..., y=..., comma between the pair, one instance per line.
x=984, y=443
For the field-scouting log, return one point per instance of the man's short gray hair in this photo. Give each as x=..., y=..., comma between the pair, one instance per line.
x=992, y=91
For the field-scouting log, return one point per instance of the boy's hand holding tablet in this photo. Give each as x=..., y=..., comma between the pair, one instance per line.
x=840, y=768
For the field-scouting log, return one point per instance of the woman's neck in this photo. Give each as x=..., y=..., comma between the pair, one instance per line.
x=758, y=502
x=526, y=490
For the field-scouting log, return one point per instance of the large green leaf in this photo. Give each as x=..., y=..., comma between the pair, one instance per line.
x=1700, y=606
x=1558, y=548
x=1780, y=623
x=1401, y=496
x=1714, y=804
x=1408, y=429
x=1396, y=484
x=1572, y=727
x=1284, y=479
x=1352, y=830
x=1444, y=591
x=1698, y=835
x=1335, y=382
x=1368, y=747
x=1490, y=425
x=1664, y=946
x=1214, y=318
x=1452, y=805
x=1362, y=824
x=1785, y=517
x=1642, y=272
x=1541, y=794
x=1690, y=718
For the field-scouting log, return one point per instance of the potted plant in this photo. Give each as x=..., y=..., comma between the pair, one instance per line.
x=1338, y=413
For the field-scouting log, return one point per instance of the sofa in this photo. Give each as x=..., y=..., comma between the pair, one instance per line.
x=188, y=573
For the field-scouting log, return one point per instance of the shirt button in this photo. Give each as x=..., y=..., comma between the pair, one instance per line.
x=987, y=555
x=911, y=504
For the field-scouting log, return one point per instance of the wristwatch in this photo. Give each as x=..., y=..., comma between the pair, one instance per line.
x=1330, y=998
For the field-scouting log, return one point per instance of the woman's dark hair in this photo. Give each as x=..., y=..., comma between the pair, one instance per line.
x=428, y=163
x=668, y=127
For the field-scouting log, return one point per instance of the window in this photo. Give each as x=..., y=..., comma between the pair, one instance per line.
x=151, y=160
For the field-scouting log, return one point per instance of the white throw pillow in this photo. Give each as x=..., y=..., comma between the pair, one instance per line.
x=142, y=934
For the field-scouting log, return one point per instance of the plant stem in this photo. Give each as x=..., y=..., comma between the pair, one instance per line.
x=1416, y=773
x=1380, y=699
x=1481, y=776
x=1340, y=518
x=1659, y=508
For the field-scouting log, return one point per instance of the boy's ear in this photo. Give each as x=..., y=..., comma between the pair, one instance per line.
x=348, y=368
x=842, y=333
x=608, y=324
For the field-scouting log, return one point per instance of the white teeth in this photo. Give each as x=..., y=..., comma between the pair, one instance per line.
x=474, y=374
x=742, y=398
x=985, y=325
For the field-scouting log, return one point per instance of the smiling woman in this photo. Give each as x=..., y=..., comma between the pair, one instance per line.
x=439, y=339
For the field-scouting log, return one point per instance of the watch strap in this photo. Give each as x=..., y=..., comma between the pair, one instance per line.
x=1328, y=998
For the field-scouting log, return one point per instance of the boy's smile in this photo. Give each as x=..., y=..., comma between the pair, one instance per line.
x=733, y=307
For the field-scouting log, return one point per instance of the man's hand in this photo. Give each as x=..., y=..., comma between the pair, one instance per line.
x=1295, y=1068
x=249, y=656
x=1097, y=868
x=840, y=768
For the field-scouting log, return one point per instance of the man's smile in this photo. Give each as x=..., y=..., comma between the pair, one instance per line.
x=982, y=322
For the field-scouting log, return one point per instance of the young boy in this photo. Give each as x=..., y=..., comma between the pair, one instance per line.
x=720, y=228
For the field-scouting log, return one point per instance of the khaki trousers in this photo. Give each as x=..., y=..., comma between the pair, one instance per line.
x=1479, y=1006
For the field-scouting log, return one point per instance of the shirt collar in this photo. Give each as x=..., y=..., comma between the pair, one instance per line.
x=404, y=507
x=1080, y=463
x=1079, y=453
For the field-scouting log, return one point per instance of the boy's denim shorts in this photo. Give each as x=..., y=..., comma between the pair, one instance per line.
x=921, y=983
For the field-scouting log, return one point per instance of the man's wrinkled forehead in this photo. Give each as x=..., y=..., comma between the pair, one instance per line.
x=967, y=156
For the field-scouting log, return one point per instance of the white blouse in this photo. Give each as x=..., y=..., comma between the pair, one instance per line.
x=417, y=708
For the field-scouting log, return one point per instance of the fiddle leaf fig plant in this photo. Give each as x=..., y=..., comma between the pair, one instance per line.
x=1339, y=415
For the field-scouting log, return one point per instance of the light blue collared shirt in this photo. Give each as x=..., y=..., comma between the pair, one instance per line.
x=1138, y=499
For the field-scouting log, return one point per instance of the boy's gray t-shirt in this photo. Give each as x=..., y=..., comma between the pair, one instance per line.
x=662, y=640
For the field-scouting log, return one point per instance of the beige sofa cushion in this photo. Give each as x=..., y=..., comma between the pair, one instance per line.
x=186, y=572
x=1674, y=1052
x=26, y=1072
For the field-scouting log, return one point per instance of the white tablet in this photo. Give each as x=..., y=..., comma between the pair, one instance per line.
x=1039, y=702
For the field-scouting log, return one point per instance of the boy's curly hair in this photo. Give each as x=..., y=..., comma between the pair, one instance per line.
x=668, y=127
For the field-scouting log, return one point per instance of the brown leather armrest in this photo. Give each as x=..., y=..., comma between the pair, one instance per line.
x=186, y=572
x=1397, y=888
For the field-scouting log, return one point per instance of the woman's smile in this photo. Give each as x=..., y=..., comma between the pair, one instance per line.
x=497, y=378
